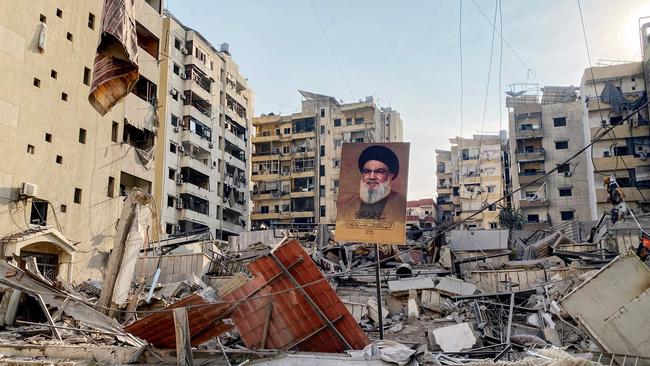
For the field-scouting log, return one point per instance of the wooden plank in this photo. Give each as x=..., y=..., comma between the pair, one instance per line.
x=183, y=346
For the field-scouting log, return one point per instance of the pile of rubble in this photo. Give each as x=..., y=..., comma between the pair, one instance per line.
x=461, y=298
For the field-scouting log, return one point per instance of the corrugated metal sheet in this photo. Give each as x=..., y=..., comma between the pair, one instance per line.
x=173, y=267
x=158, y=328
x=503, y=280
x=292, y=318
x=478, y=239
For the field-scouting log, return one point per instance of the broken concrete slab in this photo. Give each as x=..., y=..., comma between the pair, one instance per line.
x=403, y=286
x=453, y=286
x=454, y=338
x=373, y=310
x=413, y=308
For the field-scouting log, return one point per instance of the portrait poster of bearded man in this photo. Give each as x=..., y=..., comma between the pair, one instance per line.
x=371, y=206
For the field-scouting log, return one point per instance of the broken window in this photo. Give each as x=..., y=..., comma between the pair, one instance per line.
x=142, y=139
x=47, y=264
x=147, y=40
x=146, y=90
x=128, y=182
x=533, y=219
x=39, y=213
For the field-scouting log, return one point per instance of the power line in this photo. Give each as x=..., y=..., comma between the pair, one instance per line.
x=329, y=44
x=521, y=60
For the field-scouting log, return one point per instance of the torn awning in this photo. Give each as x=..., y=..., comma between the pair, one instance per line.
x=115, y=70
x=294, y=323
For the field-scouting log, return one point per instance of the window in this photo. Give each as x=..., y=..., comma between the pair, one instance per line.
x=561, y=145
x=490, y=189
x=337, y=122
x=287, y=131
x=43, y=19
x=322, y=171
x=169, y=228
x=322, y=130
x=321, y=191
x=91, y=20
x=336, y=183
x=337, y=163
x=30, y=149
x=174, y=120
x=110, y=190
x=559, y=122
x=358, y=121
x=59, y=13
x=69, y=36
x=177, y=69
x=177, y=44
x=358, y=139
x=171, y=173
x=338, y=143
x=493, y=225
x=264, y=209
x=286, y=149
x=170, y=201
x=48, y=137
x=322, y=150
x=565, y=192
x=533, y=218
x=87, y=76
x=174, y=94
x=77, y=195
x=82, y=135
x=322, y=112
x=38, y=215
x=277, y=132
x=348, y=121
x=63, y=208
x=492, y=208
x=53, y=74
x=322, y=214
x=114, y=128
x=59, y=159
x=37, y=82
x=172, y=147
x=64, y=97
x=564, y=168
x=147, y=40
x=566, y=215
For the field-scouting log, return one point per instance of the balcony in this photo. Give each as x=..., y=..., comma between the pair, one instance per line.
x=231, y=227
x=443, y=190
x=202, y=166
x=528, y=177
x=265, y=215
x=187, y=214
x=301, y=193
x=193, y=190
x=533, y=203
x=198, y=77
x=301, y=214
x=529, y=133
x=533, y=155
x=259, y=138
x=471, y=179
x=202, y=105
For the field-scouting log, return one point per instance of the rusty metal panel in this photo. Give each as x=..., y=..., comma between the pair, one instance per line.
x=158, y=328
x=292, y=318
x=613, y=304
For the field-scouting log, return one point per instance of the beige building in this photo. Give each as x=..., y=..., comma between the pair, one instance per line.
x=546, y=129
x=471, y=175
x=623, y=152
x=296, y=158
x=203, y=163
x=65, y=166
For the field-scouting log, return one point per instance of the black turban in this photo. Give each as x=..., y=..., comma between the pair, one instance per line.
x=380, y=153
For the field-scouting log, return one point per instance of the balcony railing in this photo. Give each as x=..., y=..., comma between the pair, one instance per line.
x=528, y=177
x=536, y=154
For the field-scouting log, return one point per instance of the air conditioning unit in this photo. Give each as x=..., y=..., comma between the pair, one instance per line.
x=173, y=91
x=176, y=129
x=183, y=97
x=183, y=76
x=177, y=229
x=179, y=205
x=180, y=149
x=29, y=190
x=179, y=181
x=211, y=145
x=185, y=51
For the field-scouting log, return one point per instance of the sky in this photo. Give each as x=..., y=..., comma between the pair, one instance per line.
x=407, y=55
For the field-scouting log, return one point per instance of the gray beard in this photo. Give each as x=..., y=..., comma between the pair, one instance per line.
x=374, y=195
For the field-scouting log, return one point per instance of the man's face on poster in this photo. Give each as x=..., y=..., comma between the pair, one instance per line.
x=376, y=180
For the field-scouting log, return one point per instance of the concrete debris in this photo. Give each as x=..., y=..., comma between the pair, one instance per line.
x=276, y=296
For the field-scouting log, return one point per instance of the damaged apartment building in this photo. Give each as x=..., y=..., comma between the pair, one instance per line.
x=545, y=130
x=471, y=174
x=181, y=135
x=296, y=159
x=203, y=169
x=66, y=167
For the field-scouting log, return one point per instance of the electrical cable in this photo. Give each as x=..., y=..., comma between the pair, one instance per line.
x=329, y=44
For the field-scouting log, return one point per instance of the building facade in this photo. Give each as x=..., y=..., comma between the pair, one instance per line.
x=296, y=158
x=66, y=167
x=422, y=213
x=470, y=176
x=546, y=129
x=204, y=155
